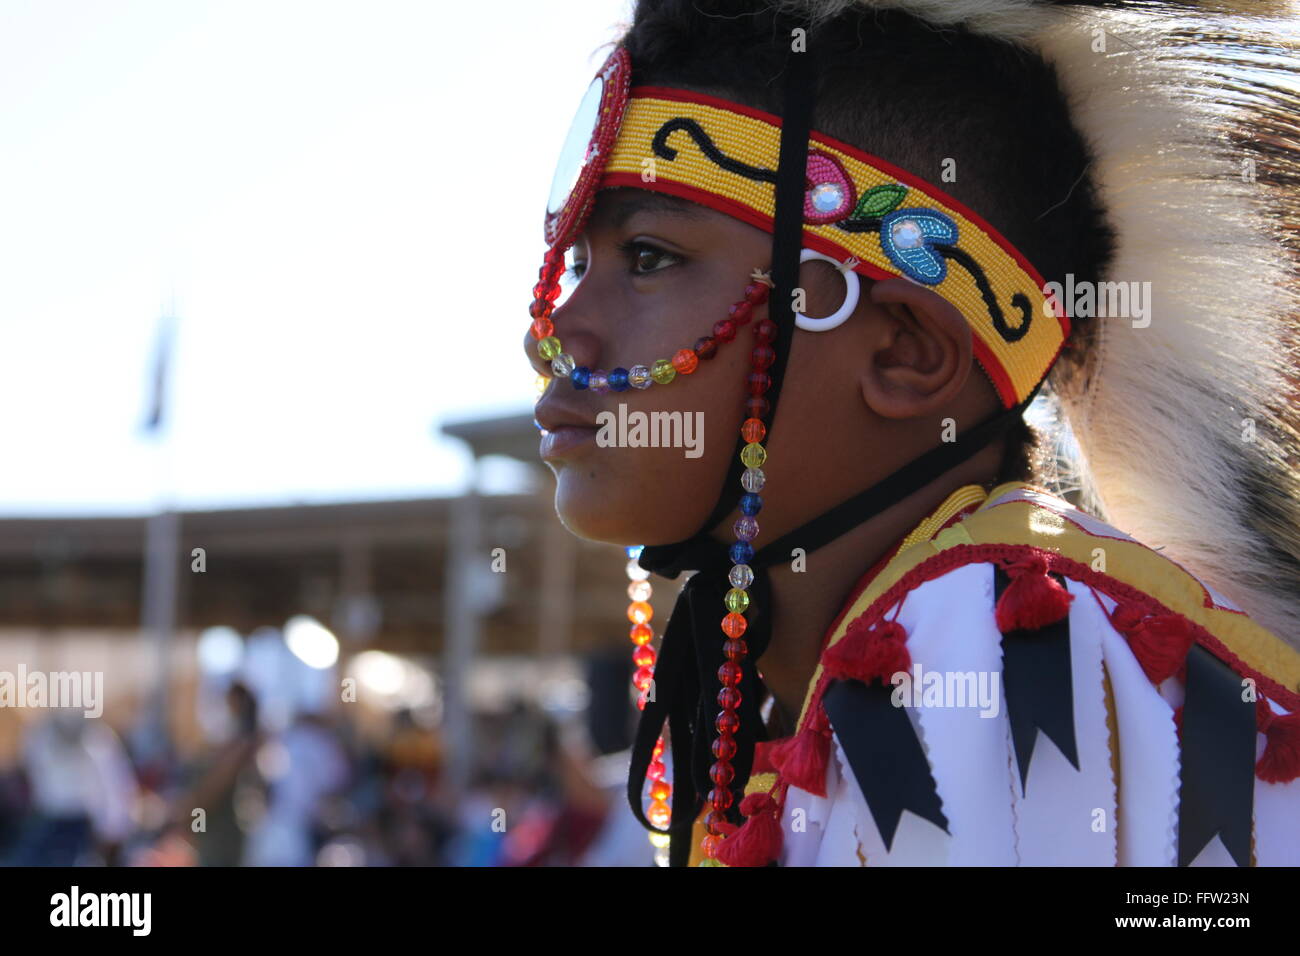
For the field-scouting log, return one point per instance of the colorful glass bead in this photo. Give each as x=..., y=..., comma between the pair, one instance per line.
x=727, y=722
x=580, y=377
x=753, y=455
x=639, y=590
x=740, y=312
x=722, y=773
x=642, y=678
x=641, y=633
x=758, y=382
x=724, y=330
x=753, y=430
x=617, y=380
x=736, y=600
x=636, y=572
x=735, y=649
x=756, y=406
x=730, y=674
x=742, y=552
x=541, y=328
x=753, y=479
x=660, y=814
x=685, y=361
x=644, y=656
x=639, y=612
x=599, y=381
x=656, y=770
x=541, y=309
x=724, y=748
x=638, y=376
x=729, y=698
x=756, y=293
x=762, y=357
x=750, y=504
x=662, y=371
x=562, y=365
x=746, y=528
x=733, y=625
x=741, y=576
x=706, y=347
x=764, y=331
x=549, y=347
x=721, y=798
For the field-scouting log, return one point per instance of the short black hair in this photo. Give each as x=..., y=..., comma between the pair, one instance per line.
x=922, y=98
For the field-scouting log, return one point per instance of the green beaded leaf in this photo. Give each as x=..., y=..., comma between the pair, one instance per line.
x=878, y=200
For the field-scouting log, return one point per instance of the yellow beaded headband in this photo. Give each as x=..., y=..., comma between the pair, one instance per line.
x=886, y=222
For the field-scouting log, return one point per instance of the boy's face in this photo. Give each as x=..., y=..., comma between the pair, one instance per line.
x=653, y=275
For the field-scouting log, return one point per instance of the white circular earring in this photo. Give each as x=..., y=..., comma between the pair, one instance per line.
x=852, y=289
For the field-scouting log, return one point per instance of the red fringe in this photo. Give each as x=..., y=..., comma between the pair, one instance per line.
x=868, y=653
x=1280, y=762
x=758, y=841
x=801, y=760
x=1033, y=599
x=1159, y=642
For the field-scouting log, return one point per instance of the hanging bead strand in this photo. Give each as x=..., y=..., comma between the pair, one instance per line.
x=639, y=612
x=752, y=455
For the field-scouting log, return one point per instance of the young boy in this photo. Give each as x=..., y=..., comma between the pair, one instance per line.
x=892, y=220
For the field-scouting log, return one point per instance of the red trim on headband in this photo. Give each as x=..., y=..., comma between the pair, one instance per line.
x=916, y=182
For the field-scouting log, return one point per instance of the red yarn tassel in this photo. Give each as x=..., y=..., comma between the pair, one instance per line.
x=801, y=760
x=1033, y=599
x=1159, y=642
x=867, y=653
x=758, y=841
x=1280, y=762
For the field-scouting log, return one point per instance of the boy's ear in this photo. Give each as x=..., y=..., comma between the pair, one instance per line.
x=919, y=351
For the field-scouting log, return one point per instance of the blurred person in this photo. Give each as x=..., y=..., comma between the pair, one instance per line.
x=83, y=792
x=303, y=765
x=224, y=779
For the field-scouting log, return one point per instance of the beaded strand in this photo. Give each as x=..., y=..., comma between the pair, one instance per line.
x=741, y=575
x=639, y=613
x=660, y=371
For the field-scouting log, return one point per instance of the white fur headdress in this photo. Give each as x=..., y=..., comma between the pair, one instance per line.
x=1186, y=424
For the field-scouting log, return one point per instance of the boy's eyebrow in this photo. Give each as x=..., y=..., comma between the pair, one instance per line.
x=640, y=200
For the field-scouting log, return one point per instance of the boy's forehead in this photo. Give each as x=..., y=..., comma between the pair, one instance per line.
x=614, y=207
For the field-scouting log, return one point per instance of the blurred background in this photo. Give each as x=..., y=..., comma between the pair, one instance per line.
x=267, y=457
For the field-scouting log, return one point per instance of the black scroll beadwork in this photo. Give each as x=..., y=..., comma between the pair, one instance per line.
x=693, y=129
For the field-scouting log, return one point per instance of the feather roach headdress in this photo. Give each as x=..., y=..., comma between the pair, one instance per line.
x=1184, y=419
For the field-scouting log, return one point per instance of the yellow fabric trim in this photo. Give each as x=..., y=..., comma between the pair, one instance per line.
x=757, y=143
x=1112, y=740
x=963, y=497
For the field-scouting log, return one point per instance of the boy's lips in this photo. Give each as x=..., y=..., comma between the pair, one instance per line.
x=563, y=429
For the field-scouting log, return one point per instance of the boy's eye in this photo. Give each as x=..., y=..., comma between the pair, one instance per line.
x=645, y=258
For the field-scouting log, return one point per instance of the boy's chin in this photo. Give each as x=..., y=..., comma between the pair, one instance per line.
x=596, y=513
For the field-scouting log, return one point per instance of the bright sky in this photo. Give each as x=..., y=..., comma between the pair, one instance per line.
x=345, y=202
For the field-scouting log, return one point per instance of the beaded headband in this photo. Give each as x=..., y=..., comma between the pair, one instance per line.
x=884, y=221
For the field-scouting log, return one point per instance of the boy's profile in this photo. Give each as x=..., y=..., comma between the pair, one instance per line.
x=860, y=239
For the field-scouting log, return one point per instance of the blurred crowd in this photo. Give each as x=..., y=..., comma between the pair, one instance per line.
x=287, y=776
